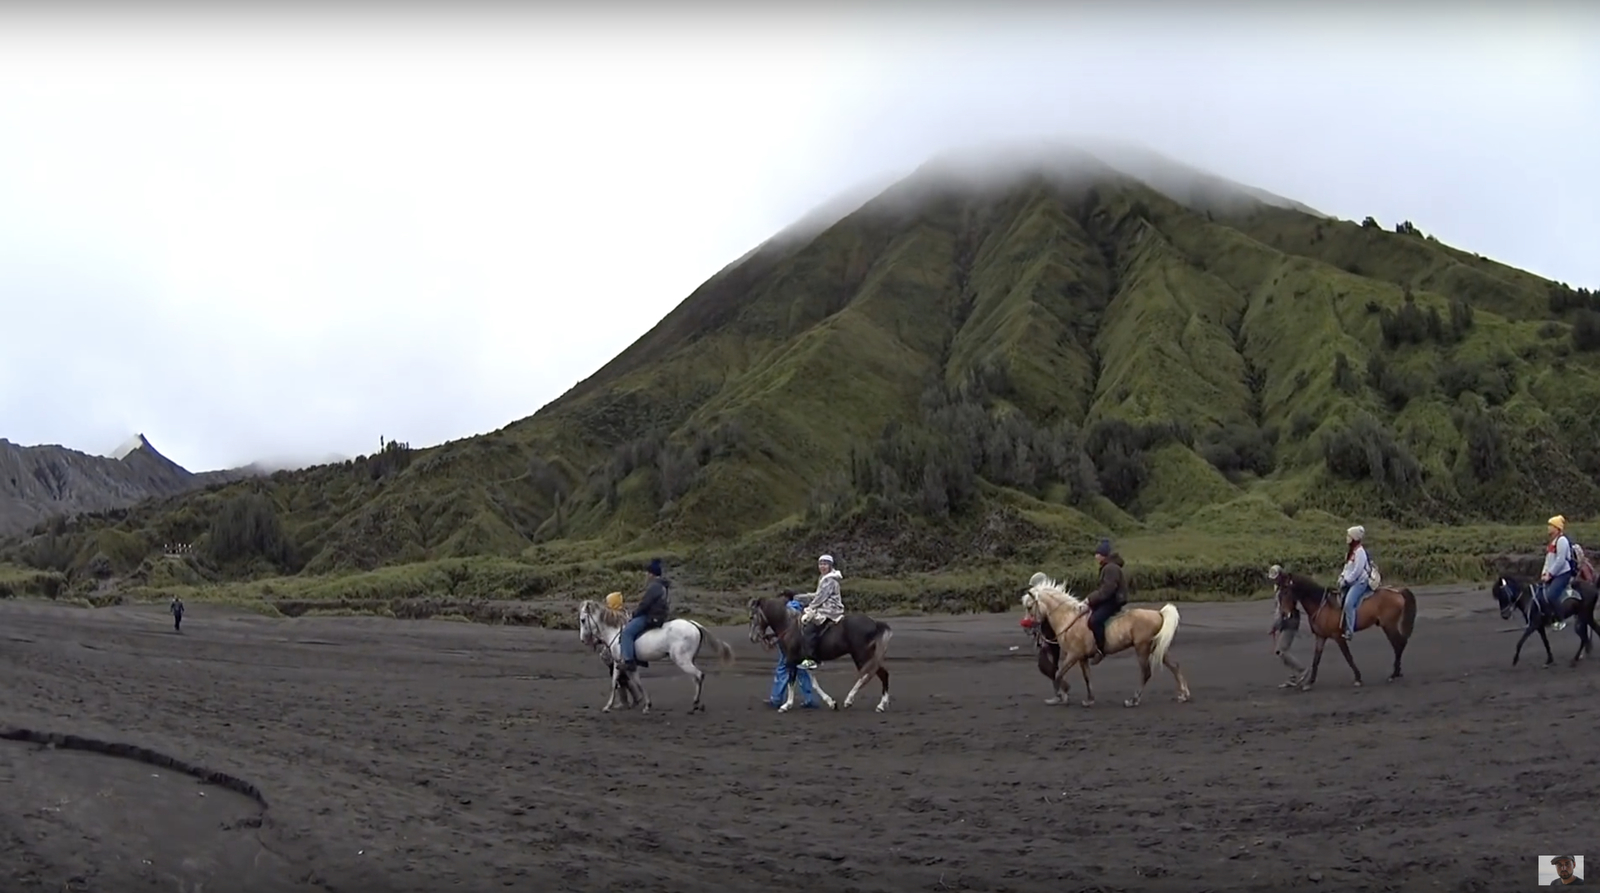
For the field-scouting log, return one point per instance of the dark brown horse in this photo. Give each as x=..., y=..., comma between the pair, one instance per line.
x=1516, y=594
x=862, y=639
x=1392, y=609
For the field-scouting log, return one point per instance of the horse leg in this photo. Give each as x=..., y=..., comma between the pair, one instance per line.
x=1316, y=661
x=883, y=702
x=861, y=679
x=1177, y=673
x=1582, y=628
x=685, y=660
x=1058, y=681
x=1398, y=643
x=1088, y=692
x=1143, y=653
x=1344, y=648
x=616, y=682
x=1549, y=656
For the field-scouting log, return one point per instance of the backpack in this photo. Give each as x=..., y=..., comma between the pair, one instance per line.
x=1583, y=568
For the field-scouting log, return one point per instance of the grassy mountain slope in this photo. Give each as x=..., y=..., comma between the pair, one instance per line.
x=990, y=371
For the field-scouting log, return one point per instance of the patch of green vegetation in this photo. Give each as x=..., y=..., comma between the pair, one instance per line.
x=950, y=389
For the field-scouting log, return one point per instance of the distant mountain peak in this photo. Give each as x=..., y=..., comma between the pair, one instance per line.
x=135, y=442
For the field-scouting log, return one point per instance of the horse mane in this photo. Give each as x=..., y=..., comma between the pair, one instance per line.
x=603, y=614
x=1042, y=584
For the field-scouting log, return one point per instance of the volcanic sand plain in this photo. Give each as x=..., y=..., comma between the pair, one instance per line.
x=438, y=755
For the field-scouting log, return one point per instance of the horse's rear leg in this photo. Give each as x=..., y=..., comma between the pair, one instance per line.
x=1143, y=653
x=1398, y=643
x=1177, y=673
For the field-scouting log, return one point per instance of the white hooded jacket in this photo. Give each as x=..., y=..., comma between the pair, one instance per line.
x=825, y=603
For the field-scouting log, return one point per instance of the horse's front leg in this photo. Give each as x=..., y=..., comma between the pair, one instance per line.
x=1058, y=682
x=616, y=683
x=791, y=684
x=1344, y=648
x=1549, y=656
x=1527, y=634
x=1316, y=662
x=1582, y=628
x=1088, y=690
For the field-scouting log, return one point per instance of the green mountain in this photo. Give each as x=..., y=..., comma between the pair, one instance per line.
x=991, y=364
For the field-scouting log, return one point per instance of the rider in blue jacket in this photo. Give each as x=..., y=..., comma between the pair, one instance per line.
x=781, y=675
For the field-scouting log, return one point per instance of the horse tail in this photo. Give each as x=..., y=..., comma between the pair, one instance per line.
x=725, y=654
x=1169, y=628
x=881, y=634
x=1408, y=615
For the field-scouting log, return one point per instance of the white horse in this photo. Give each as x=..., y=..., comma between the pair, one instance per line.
x=680, y=639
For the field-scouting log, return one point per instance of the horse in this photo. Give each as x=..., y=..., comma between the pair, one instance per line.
x=860, y=637
x=680, y=639
x=1391, y=608
x=1516, y=594
x=1147, y=631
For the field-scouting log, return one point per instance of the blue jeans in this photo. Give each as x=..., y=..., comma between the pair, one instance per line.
x=1555, y=590
x=633, y=629
x=1352, y=600
x=781, y=675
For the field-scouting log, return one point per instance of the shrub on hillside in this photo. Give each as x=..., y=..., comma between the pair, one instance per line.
x=1362, y=449
x=1586, y=330
x=248, y=528
x=1240, y=448
x=1486, y=447
x=1397, y=387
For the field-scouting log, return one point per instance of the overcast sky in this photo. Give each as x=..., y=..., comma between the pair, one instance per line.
x=267, y=237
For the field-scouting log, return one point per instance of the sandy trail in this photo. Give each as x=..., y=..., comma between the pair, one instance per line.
x=434, y=755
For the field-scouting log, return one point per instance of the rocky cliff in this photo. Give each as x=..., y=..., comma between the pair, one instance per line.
x=38, y=482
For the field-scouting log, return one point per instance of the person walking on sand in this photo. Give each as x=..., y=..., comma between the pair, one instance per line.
x=780, y=677
x=177, y=614
x=1283, y=632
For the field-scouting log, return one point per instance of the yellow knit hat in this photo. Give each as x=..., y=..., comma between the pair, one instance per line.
x=1558, y=522
x=614, y=601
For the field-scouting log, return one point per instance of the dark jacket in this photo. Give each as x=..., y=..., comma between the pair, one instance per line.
x=656, y=603
x=1113, y=588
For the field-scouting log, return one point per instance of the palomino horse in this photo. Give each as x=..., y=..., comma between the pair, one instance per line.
x=1516, y=594
x=860, y=637
x=1391, y=608
x=680, y=639
x=1148, y=632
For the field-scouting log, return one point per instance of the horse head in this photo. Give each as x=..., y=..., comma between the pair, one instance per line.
x=768, y=616
x=1045, y=596
x=588, y=626
x=1506, y=593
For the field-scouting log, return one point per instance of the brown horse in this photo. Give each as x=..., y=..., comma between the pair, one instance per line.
x=1391, y=608
x=1149, y=633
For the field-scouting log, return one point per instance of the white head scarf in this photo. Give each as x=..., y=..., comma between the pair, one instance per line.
x=1357, y=533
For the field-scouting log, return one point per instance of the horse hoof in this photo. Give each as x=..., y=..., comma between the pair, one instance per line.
x=1130, y=702
x=1055, y=702
x=1306, y=687
x=1356, y=684
x=879, y=708
x=783, y=708
x=1087, y=703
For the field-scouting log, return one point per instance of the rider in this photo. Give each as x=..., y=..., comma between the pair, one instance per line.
x=823, y=607
x=1558, y=569
x=652, y=612
x=781, y=675
x=1106, y=601
x=1353, y=580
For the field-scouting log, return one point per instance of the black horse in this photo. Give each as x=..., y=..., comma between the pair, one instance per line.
x=858, y=636
x=1517, y=594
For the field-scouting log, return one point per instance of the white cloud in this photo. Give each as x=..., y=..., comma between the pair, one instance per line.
x=276, y=237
